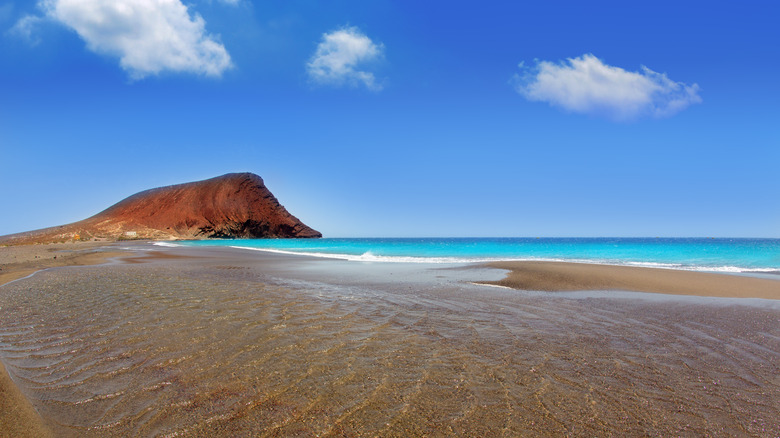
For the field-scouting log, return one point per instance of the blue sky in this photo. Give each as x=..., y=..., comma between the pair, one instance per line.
x=379, y=118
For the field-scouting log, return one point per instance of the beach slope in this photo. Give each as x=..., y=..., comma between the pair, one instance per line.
x=560, y=276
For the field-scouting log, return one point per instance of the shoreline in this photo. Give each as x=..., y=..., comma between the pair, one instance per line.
x=562, y=276
x=20, y=261
x=565, y=276
x=19, y=417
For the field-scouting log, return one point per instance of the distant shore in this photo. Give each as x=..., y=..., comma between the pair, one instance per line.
x=562, y=276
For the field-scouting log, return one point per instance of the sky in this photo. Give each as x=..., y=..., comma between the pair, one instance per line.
x=402, y=119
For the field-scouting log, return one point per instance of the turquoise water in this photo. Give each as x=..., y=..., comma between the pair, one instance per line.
x=723, y=255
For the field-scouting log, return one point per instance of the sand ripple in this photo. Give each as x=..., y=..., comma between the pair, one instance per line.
x=147, y=350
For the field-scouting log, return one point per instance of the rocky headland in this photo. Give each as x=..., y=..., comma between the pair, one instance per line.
x=236, y=205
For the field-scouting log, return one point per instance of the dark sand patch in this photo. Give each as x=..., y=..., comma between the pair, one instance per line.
x=150, y=256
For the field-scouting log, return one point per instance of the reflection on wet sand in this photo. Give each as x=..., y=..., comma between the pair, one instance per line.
x=222, y=347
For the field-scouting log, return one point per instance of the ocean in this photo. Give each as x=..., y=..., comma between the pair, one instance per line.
x=698, y=254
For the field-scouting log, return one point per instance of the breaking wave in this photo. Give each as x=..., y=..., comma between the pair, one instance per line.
x=370, y=257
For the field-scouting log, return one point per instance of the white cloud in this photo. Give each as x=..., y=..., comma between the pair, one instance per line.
x=148, y=36
x=587, y=85
x=340, y=56
x=25, y=28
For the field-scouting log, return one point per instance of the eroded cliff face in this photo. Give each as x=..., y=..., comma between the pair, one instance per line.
x=232, y=205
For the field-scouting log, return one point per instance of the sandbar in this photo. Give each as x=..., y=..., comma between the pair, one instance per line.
x=561, y=276
x=20, y=261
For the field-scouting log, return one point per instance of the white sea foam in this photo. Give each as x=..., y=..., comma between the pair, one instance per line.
x=369, y=257
x=491, y=285
x=168, y=244
x=734, y=269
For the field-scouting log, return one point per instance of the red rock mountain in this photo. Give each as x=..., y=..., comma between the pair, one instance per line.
x=232, y=205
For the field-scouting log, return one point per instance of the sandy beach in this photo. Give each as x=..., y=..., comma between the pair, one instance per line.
x=218, y=342
x=20, y=261
x=18, y=418
x=559, y=276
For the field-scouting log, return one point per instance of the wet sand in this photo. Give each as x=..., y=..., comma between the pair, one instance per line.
x=557, y=276
x=18, y=418
x=20, y=261
x=238, y=343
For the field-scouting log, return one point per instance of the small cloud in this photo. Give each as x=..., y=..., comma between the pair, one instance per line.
x=148, y=36
x=341, y=58
x=25, y=28
x=587, y=85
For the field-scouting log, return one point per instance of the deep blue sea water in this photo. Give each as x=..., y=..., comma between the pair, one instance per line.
x=702, y=254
